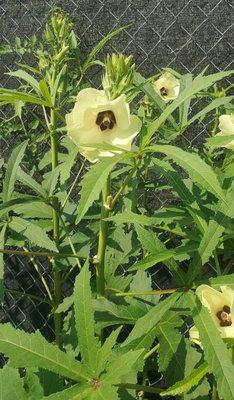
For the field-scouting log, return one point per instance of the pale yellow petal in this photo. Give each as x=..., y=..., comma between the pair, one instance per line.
x=229, y=293
x=89, y=153
x=87, y=98
x=118, y=106
x=123, y=138
x=226, y=124
x=227, y=331
x=211, y=298
x=83, y=129
x=172, y=84
x=81, y=135
x=194, y=336
x=230, y=145
x=215, y=301
x=121, y=111
x=193, y=333
x=106, y=153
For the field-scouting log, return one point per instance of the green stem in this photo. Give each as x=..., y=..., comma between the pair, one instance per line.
x=30, y=296
x=23, y=126
x=125, y=183
x=43, y=280
x=214, y=395
x=216, y=123
x=141, y=394
x=152, y=351
x=145, y=202
x=103, y=230
x=40, y=254
x=56, y=231
x=217, y=265
x=73, y=185
x=73, y=251
x=228, y=267
x=231, y=351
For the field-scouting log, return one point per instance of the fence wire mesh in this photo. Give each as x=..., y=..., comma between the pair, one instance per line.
x=186, y=35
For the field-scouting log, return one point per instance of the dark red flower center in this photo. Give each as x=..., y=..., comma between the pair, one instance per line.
x=164, y=91
x=106, y=120
x=224, y=316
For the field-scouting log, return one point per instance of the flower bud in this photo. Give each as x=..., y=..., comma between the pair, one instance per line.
x=43, y=63
x=226, y=126
x=60, y=55
x=119, y=74
x=48, y=35
x=108, y=203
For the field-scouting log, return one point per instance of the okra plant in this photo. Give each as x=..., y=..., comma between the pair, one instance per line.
x=142, y=298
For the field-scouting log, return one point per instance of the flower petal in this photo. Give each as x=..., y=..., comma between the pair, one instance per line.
x=83, y=134
x=118, y=106
x=83, y=129
x=89, y=153
x=211, y=298
x=227, y=291
x=214, y=301
x=121, y=111
x=230, y=145
x=194, y=335
x=87, y=98
x=123, y=138
x=169, y=82
x=226, y=124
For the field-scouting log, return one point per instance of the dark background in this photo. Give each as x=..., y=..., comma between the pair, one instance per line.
x=184, y=34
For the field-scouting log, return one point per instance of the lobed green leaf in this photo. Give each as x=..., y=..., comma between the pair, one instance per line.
x=11, y=385
x=146, y=323
x=93, y=182
x=198, y=170
x=12, y=169
x=215, y=351
x=84, y=316
x=32, y=350
x=34, y=233
x=187, y=383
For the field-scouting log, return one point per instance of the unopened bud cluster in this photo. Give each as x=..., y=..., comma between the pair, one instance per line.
x=119, y=74
x=58, y=28
x=59, y=39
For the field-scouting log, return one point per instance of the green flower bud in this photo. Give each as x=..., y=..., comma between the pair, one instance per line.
x=43, y=63
x=48, y=34
x=119, y=74
x=62, y=53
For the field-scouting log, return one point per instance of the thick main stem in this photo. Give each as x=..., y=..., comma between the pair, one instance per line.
x=57, y=273
x=103, y=230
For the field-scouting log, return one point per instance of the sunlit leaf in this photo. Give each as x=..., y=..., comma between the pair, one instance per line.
x=215, y=351
x=32, y=232
x=199, y=171
x=93, y=182
x=32, y=350
x=12, y=169
x=84, y=316
x=187, y=383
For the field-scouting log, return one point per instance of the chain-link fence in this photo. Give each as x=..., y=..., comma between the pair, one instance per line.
x=184, y=34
